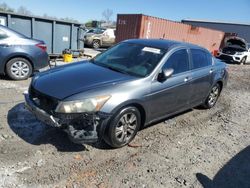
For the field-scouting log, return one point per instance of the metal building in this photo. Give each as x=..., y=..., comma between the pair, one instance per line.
x=242, y=29
x=57, y=34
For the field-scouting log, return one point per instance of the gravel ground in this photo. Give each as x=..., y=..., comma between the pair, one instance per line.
x=198, y=148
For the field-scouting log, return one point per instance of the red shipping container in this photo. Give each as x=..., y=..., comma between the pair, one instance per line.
x=131, y=26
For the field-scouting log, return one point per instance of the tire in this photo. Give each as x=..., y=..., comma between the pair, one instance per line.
x=96, y=44
x=212, y=97
x=123, y=127
x=243, y=61
x=19, y=69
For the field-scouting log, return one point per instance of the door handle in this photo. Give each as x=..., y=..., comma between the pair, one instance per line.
x=187, y=79
x=211, y=71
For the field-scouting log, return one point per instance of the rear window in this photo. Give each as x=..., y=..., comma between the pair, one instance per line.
x=3, y=35
x=200, y=59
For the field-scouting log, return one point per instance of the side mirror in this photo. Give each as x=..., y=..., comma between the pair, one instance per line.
x=165, y=74
x=249, y=50
x=168, y=73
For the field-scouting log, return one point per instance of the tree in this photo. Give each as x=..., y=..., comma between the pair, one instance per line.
x=4, y=7
x=88, y=23
x=107, y=14
x=23, y=10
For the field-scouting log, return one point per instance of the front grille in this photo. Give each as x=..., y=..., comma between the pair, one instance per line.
x=46, y=103
x=225, y=57
x=228, y=51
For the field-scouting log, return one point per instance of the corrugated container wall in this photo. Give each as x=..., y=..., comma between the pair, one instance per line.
x=242, y=29
x=141, y=26
x=57, y=34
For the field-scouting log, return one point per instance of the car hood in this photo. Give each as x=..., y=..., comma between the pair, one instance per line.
x=68, y=80
x=236, y=42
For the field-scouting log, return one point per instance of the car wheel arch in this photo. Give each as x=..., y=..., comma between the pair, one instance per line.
x=220, y=83
x=135, y=104
x=18, y=56
x=97, y=39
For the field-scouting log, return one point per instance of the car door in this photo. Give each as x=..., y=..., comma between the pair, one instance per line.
x=202, y=74
x=172, y=94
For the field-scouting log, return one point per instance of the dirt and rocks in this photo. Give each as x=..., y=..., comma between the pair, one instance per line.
x=198, y=148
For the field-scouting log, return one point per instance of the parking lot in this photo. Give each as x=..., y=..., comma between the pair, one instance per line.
x=198, y=147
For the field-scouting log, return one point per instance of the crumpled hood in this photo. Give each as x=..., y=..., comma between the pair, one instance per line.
x=66, y=81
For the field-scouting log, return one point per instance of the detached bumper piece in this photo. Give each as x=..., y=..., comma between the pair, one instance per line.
x=40, y=114
x=84, y=127
x=81, y=128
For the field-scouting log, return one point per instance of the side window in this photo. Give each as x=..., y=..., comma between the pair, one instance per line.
x=3, y=35
x=200, y=58
x=178, y=61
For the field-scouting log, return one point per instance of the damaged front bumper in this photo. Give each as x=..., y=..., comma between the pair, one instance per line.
x=81, y=128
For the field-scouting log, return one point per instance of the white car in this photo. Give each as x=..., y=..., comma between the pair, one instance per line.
x=236, y=50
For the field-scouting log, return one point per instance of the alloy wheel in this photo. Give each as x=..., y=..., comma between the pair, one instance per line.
x=126, y=127
x=96, y=44
x=20, y=69
x=213, y=96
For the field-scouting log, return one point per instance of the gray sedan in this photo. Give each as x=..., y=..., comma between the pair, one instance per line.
x=129, y=86
x=20, y=56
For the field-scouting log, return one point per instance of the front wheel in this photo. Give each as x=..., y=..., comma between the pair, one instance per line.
x=213, y=96
x=243, y=61
x=123, y=127
x=19, y=69
x=96, y=44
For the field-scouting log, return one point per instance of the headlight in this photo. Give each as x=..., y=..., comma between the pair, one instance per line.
x=239, y=53
x=80, y=106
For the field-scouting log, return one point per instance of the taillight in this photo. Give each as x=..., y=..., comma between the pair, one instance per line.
x=42, y=46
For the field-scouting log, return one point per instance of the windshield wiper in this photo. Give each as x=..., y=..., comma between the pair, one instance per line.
x=112, y=68
x=115, y=69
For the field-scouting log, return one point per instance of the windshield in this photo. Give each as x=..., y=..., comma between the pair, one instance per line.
x=133, y=59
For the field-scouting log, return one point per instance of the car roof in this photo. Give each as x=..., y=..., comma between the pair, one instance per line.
x=162, y=43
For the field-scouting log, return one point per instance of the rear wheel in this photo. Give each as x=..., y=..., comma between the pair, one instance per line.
x=213, y=96
x=19, y=69
x=96, y=44
x=243, y=61
x=123, y=127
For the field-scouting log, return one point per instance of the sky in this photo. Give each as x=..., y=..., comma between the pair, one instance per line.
x=85, y=10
